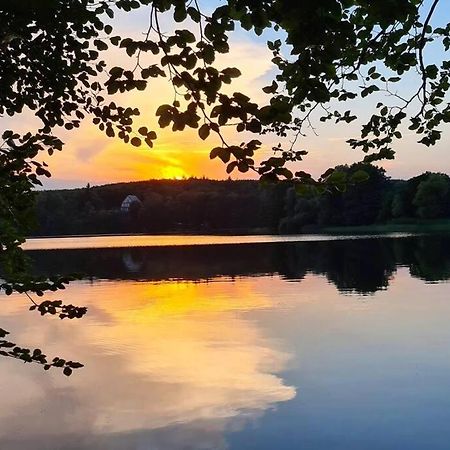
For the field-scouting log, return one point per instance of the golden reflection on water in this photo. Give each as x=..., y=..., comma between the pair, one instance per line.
x=183, y=365
x=156, y=355
x=130, y=241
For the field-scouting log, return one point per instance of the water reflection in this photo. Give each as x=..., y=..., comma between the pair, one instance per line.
x=180, y=356
x=361, y=266
x=239, y=347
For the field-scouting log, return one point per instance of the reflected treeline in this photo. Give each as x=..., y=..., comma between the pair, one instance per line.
x=360, y=265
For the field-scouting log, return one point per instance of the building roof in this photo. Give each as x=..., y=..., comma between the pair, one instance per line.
x=129, y=200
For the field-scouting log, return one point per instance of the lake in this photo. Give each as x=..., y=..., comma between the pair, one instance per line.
x=242, y=343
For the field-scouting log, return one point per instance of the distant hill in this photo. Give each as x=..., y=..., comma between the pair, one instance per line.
x=162, y=206
x=242, y=206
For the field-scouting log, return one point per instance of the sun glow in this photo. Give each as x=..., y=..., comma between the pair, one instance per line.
x=100, y=160
x=173, y=173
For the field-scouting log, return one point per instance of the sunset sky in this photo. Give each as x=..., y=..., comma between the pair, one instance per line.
x=91, y=157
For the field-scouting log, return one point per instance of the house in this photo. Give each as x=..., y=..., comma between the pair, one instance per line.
x=128, y=202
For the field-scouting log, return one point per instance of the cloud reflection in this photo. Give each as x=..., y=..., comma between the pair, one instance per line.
x=168, y=366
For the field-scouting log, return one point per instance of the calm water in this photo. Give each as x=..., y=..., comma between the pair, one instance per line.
x=322, y=345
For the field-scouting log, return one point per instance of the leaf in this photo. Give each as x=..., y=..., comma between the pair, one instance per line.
x=369, y=90
x=140, y=85
x=115, y=40
x=187, y=36
x=135, y=141
x=194, y=14
x=284, y=172
x=116, y=72
x=214, y=153
x=208, y=54
x=271, y=89
x=3, y=333
x=204, y=131
x=180, y=13
x=242, y=166
x=75, y=365
x=100, y=45
x=223, y=153
x=231, y=166
x=232, y=72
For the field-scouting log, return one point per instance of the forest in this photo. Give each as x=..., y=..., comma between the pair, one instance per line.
x=243, y=206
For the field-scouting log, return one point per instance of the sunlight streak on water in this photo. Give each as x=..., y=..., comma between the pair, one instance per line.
x=84, y=242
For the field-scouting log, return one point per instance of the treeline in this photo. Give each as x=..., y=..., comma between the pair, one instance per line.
x=243, y=206
x=378, y=200
x=191, y=205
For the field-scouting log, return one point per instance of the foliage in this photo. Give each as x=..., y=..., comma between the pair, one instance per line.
x=353, y=204
x=432, y=196
x=375, y=201
x=11, y=350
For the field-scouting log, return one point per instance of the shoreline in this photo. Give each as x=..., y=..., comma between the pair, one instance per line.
x=435, y=226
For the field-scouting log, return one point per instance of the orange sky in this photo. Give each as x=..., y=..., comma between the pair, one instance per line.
x=175, y=154
x=91, y=157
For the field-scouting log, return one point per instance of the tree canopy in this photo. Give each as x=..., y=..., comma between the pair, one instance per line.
x=326, y=53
